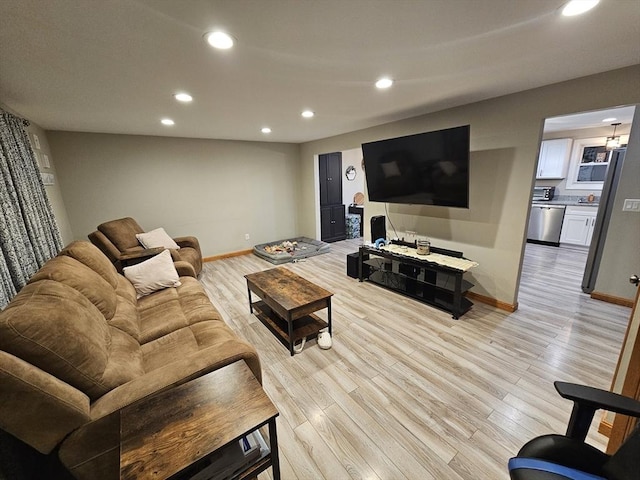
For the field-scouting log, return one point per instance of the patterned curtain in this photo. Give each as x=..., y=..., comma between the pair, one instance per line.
x=29, y=235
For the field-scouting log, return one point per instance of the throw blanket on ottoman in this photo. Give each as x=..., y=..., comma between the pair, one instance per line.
x=290, y=249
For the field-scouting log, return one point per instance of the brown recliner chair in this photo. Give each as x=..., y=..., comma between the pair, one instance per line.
x=117, y=240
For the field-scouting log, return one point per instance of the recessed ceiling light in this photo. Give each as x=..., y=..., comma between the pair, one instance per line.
x=220, y=40
x=610, y=119
x=577, y=7
x=183, y=97
x=265, y=130
x=308, y=114
x=167, y=121
x=384, y=82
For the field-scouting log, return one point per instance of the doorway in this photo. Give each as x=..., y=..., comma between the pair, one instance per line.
x=583, y=173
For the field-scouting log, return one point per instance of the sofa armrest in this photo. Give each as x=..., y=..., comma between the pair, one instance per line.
x=84, y=458
x=188, y=241
x=104, y=244
x=185, y=269
x=136, y=256
x=36, y=407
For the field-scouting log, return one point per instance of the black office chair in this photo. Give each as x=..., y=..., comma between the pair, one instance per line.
x=562, y=457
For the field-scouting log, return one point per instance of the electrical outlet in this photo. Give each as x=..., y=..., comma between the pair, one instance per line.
x=631, y=205
x=246, y=236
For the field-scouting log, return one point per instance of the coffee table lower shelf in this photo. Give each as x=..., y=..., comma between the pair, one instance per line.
x=307, y=326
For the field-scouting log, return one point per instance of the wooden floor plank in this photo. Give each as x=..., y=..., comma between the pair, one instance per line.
x=407, y=392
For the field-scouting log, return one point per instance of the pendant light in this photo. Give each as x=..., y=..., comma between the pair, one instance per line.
x=613, y=142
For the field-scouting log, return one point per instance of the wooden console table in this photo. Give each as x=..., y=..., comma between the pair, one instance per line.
x=435, y=279
x=164, y=434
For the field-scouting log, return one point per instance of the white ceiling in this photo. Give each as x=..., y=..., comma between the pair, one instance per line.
x=594, y=119
x=113, y=66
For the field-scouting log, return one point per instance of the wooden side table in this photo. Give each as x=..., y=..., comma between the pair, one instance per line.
x=164, y=434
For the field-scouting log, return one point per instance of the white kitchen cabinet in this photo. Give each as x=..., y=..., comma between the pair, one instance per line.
x=554, y=158
x=577, y=226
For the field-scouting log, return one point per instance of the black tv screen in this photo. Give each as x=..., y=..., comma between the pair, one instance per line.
x=430, y=168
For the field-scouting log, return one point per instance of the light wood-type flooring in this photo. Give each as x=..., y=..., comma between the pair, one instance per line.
x=407, y=392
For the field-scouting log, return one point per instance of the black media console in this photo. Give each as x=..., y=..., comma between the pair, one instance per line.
x=424, y=278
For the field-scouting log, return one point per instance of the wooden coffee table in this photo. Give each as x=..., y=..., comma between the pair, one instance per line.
x=286, y=306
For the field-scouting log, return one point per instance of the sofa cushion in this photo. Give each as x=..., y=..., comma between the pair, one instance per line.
x=126, y=318
x=76, y=275
x=186, y=341
x=121, y=232
x=92, y=257
x=156, y=238
x=125, y=359
x=169, y=310
x=126, y=290
x=204, y=352
x=154, y=274
x=56, y=328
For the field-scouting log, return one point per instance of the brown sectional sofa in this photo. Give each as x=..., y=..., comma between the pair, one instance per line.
x=76, y=345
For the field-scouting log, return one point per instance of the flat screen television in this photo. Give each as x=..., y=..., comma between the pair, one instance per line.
x=430, y=168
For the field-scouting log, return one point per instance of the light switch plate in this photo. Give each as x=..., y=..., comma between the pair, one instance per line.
x=631, y=205
x=45, y=161
x=47, y=178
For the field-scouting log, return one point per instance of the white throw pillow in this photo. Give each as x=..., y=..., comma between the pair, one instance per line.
x=154, y=274
x=156, y=238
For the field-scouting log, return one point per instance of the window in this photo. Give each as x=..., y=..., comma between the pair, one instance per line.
x=588, y=164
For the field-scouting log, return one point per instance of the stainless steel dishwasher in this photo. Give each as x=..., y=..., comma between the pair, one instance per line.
x=545, y=224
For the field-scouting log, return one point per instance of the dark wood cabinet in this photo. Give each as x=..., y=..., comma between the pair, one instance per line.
x=332, y=210
x=330, y=179
x=332, y=223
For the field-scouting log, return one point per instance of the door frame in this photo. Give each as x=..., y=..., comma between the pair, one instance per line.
x=626, y=379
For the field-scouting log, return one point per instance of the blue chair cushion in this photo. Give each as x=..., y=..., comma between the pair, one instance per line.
x=557, y=471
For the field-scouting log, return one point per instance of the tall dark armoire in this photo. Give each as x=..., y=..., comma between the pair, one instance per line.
x=332, y=210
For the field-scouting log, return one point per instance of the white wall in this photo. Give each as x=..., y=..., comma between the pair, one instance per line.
x=505, y=138
x=351, y=187
x=216, y=190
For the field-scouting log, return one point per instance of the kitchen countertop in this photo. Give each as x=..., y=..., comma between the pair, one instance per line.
x=568, y=203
